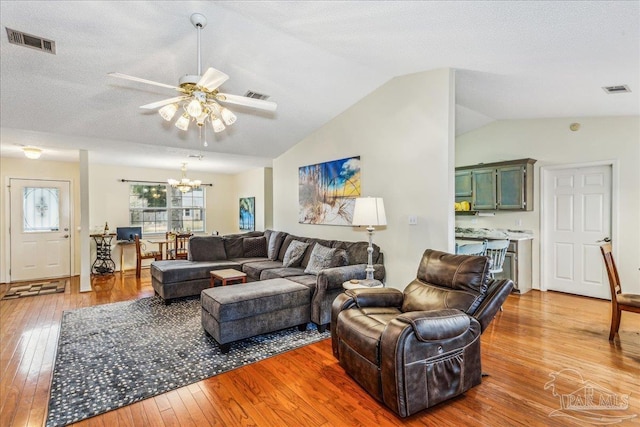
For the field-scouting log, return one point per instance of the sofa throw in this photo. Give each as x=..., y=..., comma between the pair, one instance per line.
x=294, y=253
x=323, y=257
x=254, y=247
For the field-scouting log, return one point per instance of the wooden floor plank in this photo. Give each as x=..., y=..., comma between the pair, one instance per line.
x=536, y=336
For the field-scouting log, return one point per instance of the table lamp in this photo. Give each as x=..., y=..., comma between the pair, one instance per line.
x=369, y=211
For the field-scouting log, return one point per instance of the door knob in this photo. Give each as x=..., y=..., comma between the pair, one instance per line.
x=66, y=236
x=606, y=240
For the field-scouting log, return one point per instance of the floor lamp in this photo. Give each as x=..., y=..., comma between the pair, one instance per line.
x=369, y=211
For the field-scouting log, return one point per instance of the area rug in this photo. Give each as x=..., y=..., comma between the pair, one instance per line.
x=21, y=290
x=116, y=354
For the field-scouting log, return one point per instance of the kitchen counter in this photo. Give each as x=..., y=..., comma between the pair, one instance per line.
x=493, y=234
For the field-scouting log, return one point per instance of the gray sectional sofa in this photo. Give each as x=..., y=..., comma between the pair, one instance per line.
x=269, y=255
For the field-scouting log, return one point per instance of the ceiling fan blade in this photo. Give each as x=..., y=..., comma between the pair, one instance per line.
x=249, y=102
x=138, y=79
x=164, y=102
x=212, y=78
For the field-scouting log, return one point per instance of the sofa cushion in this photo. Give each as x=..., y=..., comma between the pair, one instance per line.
x=182, y=270
x=308, y=280
x=294, y=254
x=253, y=269
x=233, y=246
x=285, y=244
x=206, y=248
x=274, y=241
x=321, y=257
x=274, y=273
x=254, y=247
x=357, y=251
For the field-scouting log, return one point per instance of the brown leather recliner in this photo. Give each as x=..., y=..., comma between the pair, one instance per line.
x=414, y=349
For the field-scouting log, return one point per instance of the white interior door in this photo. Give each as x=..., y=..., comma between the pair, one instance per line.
x=577, y=214
x=40, y=229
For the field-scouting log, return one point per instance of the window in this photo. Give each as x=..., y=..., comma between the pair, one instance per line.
x=40, y=207
x=162, y=208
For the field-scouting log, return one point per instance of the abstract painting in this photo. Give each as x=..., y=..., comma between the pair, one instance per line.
x=327, y=191
x=248, y=213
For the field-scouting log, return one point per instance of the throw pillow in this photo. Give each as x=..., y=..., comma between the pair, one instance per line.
x=254, y=246
x=321, y=258
x=275, y=240
x=294, y=253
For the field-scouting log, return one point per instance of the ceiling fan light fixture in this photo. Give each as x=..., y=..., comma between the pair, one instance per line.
x=183, y=122
x=194, y=108
x=217, y=124
x=228, y=117
x=202, y=118
x=168, y=111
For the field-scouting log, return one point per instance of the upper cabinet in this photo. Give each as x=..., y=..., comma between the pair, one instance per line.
x=497, y=186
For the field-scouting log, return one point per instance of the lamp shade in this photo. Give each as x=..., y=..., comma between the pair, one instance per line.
x=369, y=211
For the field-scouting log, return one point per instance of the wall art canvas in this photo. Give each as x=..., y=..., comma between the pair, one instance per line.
x=327, y=191
x=247, y=213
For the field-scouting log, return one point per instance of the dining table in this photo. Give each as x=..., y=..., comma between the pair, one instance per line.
x=161, y=242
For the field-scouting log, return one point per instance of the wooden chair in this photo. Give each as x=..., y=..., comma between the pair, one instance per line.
x=619, y=301
x=496, y=250
x=178, y=246
x=472, y=249
x=142, y=254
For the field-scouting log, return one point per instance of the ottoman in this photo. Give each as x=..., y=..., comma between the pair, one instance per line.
x=232, y=313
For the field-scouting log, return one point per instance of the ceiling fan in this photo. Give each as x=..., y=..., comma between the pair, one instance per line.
x=199, y=96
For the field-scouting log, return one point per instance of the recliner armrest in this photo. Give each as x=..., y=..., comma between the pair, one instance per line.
x=376, y=297
x=435, y=325
x=497, y=293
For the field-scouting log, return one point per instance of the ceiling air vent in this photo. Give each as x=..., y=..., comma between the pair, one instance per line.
x=28, y=40
x=616, y=89
x=255, y=95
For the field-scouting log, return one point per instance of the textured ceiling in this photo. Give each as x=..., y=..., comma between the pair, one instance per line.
x=315, y=59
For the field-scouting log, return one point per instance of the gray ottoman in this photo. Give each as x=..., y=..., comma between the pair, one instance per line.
x=232, y=313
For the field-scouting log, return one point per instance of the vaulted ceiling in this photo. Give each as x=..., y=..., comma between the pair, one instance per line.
x=513, y=60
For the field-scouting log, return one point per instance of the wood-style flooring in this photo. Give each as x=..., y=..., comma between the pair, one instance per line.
x=537, y=334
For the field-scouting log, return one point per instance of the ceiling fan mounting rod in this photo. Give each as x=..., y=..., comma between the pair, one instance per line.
x=199, y=21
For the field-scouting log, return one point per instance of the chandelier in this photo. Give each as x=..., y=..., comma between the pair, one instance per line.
x=184, y=184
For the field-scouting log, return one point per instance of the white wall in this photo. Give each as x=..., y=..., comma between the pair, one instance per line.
x=255, y=183
x=11, y=167
x=551, y=142
x=403, y=133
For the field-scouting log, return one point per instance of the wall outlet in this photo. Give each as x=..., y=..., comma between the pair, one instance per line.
x=413, y=220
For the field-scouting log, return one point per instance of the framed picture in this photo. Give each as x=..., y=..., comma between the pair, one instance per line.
x=247, y=213
x=327, y=191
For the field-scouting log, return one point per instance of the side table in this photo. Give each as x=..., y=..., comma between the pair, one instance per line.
x=363, y=283
x=227, y=275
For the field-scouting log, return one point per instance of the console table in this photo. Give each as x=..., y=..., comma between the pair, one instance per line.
x=103, y=263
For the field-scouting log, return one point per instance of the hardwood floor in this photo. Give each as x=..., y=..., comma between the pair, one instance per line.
x=537, y=334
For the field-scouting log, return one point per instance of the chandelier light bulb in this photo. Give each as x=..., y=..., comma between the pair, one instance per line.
x=194, y=108
x=168, y=111
x=217, y=124
x=183, y=122
x=228, y=117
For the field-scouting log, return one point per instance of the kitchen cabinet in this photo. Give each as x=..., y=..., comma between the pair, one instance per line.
x=497, y=186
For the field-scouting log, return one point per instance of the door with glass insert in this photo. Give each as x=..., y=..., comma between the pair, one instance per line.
x=40, y=229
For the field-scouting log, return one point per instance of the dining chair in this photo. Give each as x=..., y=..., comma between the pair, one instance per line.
x=142, y=254
x=472, y=248
x=619, y=301
x=177, y=246
x=496, y=250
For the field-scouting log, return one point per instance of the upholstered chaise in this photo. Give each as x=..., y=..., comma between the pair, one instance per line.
x=414, y=349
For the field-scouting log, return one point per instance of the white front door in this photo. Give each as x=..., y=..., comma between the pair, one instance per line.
x=577, y=214
x=40, y=229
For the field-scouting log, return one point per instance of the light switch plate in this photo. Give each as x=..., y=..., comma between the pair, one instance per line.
x=413, y=220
